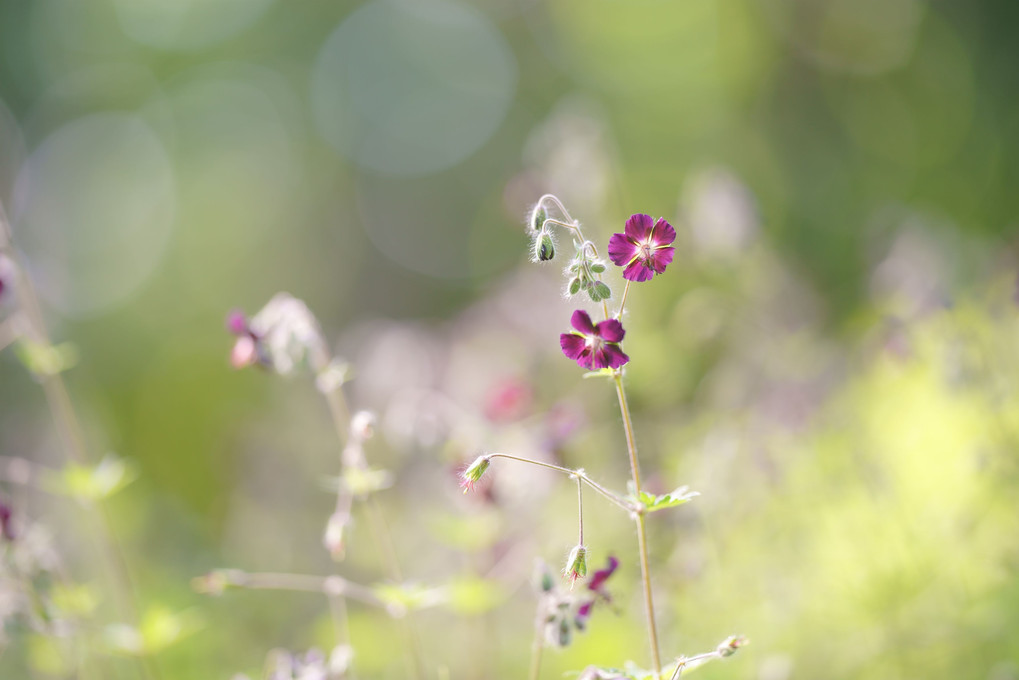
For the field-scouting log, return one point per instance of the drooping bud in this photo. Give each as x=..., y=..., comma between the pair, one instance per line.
x=729, y=645
x=537, y=218
x=543, y=580
x=474, y=472
x=544, y=247
x=576, y=564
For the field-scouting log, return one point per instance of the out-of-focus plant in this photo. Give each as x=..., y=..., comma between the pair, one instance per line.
x=38, y=595
x=643, y=250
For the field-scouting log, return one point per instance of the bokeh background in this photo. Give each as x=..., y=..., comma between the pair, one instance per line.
x=830, y=360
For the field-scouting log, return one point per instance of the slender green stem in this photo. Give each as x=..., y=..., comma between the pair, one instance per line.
x=622, y=301
x=579, y=473
x=70, y=430
x=685, y=661
x=645, y=567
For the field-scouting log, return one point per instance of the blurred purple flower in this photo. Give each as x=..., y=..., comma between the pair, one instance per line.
x=6, y=522
x=597, y=581
x=592, y=346
x=644, y=249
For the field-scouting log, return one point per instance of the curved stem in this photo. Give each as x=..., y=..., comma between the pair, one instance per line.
x=614, y=498
x=645, y=567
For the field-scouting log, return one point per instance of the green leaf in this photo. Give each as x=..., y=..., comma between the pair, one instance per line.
x=45, y=360
x=159, y=629
x=400, y=598
x=92, y=483
x=362, y=481
x=669, y=500
x=597, y=268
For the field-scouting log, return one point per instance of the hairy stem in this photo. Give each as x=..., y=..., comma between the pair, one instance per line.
x=579, y=473
x=645, y=567
x=580, y=511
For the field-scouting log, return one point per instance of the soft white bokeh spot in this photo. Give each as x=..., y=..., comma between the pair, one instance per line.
x=409, y=88
x=93, y=209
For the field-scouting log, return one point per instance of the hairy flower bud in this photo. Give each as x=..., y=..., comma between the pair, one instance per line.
x=544, y=247
x=576, y=564
x=474, y=472
x=729, y=645
x=536, y=220
x=543, y=580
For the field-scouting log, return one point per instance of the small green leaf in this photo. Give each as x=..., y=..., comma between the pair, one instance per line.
x=400, y=598
x=361, y=481
x=159, y=629
x=74, y=600
x=45, y=360
x=597, y=268
x=93, y=483
x=672, y=499
x=574, y=286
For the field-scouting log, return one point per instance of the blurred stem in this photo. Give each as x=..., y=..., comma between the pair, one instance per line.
x=645, y=567
x=579, y=473
x=69, y=427
x=333, y=586
x=538, y=645
x=340, y=413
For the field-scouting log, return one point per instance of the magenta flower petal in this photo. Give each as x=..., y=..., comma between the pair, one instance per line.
x=573, y=345
x=638, y=271
x=639, y=226
x=621, y=249
x=582, y=322
x=610, y=330
x=663, y=233
x=612, y=356
x=598, y=579
x=661, y=258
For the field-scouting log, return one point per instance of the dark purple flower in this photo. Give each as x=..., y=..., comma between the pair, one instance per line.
x=592, y=346
x=583, y=614
x=6, y=522
x=644, y=249
x=597, y=581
